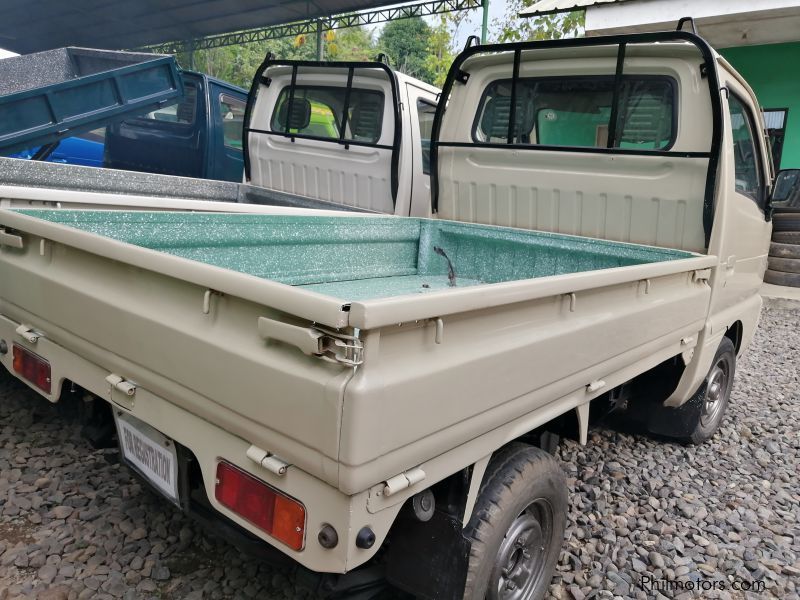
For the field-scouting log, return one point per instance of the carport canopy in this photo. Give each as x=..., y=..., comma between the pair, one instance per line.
x=35, y=25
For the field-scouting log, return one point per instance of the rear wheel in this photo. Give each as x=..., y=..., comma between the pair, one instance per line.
x=517, y=527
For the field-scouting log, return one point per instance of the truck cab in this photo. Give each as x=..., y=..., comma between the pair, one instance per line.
x=354, y=134
x=200, y=136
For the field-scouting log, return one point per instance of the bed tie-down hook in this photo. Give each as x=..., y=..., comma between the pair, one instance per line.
x=207, y=300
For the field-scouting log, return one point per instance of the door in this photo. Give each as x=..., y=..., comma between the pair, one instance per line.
x=741, y=229
x=422, y=110
x=227, y=111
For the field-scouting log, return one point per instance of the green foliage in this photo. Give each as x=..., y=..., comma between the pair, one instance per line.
x=406, y=43
x=350, y=43
x=238, y=64
x=440, y=53
x=411, y=44
x=511, y=28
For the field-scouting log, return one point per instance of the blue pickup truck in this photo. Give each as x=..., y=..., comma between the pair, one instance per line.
x=200, y=136
x=196, y=135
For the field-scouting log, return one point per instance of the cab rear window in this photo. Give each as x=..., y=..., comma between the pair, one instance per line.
x=181, y=113
x=577, y=112
x=318, y=111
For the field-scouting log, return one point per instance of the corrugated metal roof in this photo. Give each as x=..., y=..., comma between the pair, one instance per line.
x=549, y=7
x=34, y=25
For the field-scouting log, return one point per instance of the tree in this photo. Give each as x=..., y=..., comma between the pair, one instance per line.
x=238, y=64
x=406, y=43
x=440, y=53
x=511, y=28
x=350, y=43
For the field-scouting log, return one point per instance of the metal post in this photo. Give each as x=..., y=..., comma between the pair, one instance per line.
x=191, y=55
x=319, y=39
x=485, y=24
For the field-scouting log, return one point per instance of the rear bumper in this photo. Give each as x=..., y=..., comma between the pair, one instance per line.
x=208, y=444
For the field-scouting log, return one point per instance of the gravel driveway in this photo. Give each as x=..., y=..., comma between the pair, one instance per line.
x=76, y=524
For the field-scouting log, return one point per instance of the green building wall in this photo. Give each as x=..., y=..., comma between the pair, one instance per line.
x=772, y=71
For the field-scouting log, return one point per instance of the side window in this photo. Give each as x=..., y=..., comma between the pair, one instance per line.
x=232, y=112
x=318, y=111
x=745, y=154
x=576, y=111
x=425, y=113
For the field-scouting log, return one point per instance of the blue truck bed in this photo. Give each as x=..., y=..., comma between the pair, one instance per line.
x=47, y=96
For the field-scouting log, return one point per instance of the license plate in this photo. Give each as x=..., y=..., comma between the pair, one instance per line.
x=150, y=453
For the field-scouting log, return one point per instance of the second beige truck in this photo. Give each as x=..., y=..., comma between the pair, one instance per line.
x=335, y=386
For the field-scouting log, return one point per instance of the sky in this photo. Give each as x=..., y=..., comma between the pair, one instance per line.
x=470, y=26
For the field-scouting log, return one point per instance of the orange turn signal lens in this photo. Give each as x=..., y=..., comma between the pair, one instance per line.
x=282, y=517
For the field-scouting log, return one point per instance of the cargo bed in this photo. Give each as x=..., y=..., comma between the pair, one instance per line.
x=364, y=259
x=260, y=299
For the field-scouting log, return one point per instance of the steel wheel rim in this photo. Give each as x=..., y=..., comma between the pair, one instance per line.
x=521, y=559
x=716, y=391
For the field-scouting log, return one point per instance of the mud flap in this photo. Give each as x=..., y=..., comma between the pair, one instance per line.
x=676, y=422
x=429, y=560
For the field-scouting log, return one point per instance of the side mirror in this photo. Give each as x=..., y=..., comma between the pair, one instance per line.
x=786, y=191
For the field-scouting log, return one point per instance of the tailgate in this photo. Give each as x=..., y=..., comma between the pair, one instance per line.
x=184, y=331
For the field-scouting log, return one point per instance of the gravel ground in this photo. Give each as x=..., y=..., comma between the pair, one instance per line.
x=76, y=524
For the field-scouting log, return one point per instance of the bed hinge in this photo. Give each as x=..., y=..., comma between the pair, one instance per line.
x=267, y=460
x=28, y=333
x=331, y=346
x=403, y=481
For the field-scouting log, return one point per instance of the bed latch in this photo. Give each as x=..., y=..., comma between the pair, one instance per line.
x=331, y=346
x=701, y=275
x=10, y=239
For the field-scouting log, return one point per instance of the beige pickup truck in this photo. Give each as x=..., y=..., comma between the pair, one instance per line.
x=371, y=393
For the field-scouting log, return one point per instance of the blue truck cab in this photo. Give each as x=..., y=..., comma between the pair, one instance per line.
x=200, y=136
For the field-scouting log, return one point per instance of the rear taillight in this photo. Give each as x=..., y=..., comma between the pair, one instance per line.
x=32, y=367
x=282, y=517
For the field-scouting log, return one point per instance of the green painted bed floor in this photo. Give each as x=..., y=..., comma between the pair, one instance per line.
x=359, y=258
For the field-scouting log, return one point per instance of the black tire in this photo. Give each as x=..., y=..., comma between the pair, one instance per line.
x=786, y=222
x=517, y=526
x=785, y=265
x=781, y=278
x=777, y=250
x=786, y=237
x=712, y=401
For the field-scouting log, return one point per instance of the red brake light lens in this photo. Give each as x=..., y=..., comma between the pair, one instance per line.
x=32, y=367
x=282, y=517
